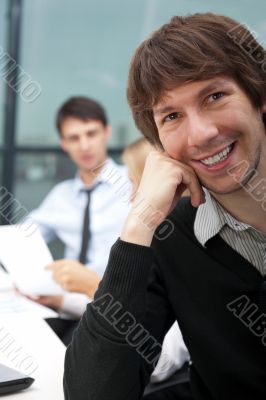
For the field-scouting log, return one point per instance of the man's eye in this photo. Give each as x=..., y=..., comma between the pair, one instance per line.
x=72, y=139
x=171, y=117
x=215, y=96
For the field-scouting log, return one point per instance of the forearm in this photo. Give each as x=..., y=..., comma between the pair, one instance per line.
x=90, y=285
x=138, y=229
x=100, y=360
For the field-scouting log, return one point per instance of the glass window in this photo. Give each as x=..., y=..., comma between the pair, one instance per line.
x=3, y=27
x=1, y=169
x=2, y=191
x=36, y=175
x=84, y=47
x=88, y=55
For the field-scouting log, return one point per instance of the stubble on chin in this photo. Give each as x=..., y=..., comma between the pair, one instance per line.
x=238, y=183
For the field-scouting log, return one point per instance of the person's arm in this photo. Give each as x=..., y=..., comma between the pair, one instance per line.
x=75, y=277
x=80, y=284
x=67, y=305
x=103, y=357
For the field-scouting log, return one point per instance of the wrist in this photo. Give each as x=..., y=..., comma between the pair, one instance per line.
x=91, y=287
x=57, y=303
x=137, y=232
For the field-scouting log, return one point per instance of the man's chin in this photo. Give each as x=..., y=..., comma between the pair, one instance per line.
x=86, y=162
x=223, y=189
x=91, y=166
x=233, y=183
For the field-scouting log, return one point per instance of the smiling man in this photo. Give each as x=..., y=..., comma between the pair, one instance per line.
x=197, y=89
x=86, y=213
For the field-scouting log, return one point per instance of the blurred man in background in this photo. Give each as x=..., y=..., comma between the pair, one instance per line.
x=86, y=213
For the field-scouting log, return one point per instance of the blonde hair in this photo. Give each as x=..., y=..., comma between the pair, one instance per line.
x=134, y=156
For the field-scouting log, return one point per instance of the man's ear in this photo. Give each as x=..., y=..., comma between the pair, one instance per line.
x=63, y=145
x=263, y=108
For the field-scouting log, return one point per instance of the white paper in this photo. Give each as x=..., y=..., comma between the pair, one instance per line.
x=5, y=281
x=25, y=256
x=13, y=304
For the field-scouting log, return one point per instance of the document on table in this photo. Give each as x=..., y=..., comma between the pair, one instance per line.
x=13, y=304
x=25, y=257
x=5, y=281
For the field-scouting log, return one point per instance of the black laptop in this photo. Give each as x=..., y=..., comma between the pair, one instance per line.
x=12, y=380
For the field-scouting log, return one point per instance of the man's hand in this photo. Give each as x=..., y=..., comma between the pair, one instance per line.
x=53, y=302
x=163, y=182
x=75, y=277
x=48, y=301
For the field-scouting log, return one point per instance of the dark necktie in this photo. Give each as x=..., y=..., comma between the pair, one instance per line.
x=86, y=233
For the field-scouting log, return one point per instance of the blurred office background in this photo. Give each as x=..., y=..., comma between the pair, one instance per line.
x=78, y=47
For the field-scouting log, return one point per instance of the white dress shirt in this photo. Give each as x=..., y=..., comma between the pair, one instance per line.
x=173, y=356
x=60, y=215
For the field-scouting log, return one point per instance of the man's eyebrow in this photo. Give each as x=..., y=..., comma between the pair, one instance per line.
x=217, y=85
x=71, y=134
x=163, y=110
x=213, y=86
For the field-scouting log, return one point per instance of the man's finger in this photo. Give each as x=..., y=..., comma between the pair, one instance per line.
x=194, y=187
x=55, y=265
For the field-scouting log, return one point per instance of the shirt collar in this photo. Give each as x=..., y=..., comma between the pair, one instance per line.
x=108, y=168
x=210, y=219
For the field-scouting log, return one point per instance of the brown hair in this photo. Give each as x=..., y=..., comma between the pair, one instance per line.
x=81, y=108
x=193, y=48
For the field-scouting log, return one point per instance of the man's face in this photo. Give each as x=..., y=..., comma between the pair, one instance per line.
x=212, y=126
x=85, y=142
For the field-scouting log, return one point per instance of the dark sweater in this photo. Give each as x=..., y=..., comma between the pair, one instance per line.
x=212, y=292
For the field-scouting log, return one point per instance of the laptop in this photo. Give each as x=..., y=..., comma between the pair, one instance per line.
x=12, y=380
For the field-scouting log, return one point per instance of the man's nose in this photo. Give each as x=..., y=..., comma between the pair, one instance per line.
x=84, y=143
x=201, y=130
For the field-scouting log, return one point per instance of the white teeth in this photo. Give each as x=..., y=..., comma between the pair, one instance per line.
x=210, y=161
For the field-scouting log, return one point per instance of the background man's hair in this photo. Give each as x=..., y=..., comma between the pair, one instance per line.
x=81, y=108
x=193, y=48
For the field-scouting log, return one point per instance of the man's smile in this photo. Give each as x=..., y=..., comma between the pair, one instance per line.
x=218, y=156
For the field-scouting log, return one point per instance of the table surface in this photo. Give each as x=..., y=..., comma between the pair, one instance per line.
x=29, y=345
